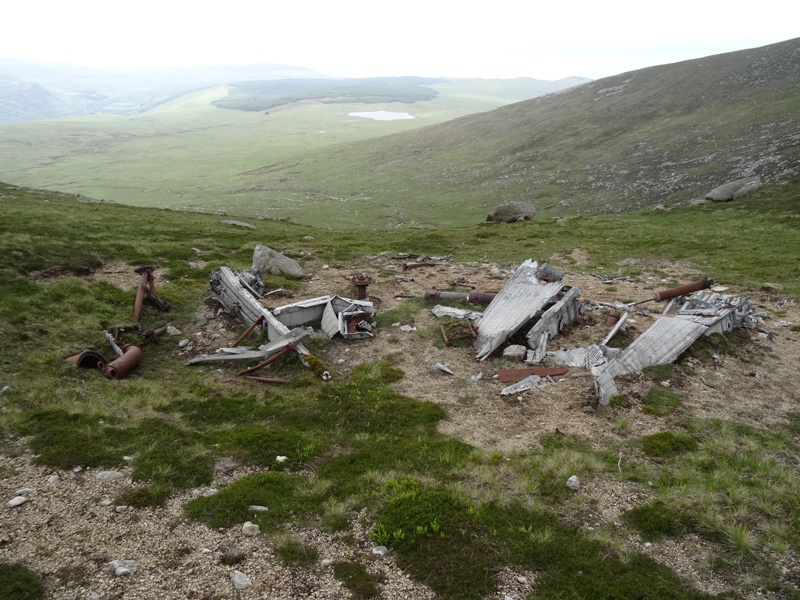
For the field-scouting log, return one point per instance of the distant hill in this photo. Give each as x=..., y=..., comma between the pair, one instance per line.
x=664, y=134
x=25, y=101
x=84, y=90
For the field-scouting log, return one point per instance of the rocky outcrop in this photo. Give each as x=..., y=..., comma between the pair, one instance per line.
x=733, y=189
x=267, y=260
x=513, y=212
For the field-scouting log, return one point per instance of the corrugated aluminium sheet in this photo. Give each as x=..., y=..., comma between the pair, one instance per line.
x=521, y=298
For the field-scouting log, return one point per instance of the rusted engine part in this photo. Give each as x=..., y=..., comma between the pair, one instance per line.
x=147, y=291
x=457, y=330
x=520, y=300
x=252, y=281
x=119, y=368
x=473, y=296
x=361, y=282
x=681, y=290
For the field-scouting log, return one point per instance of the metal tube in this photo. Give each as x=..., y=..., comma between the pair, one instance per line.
x=681, y=290
x=120, y=367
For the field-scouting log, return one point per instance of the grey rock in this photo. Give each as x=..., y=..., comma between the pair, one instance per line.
x=240, y=581
x=309, y=238
x=238, y=223
x=327, y=562
x=225, y=464
x=123, y=567
x=257, y=508
x=16, y=501
x=512, y=212
x=515, y=351
x=109, y=476
x=266, y=259
x=380, y=550
x=772, y=287
x=728, y=191
x=23, y=491
x=53, y=479
x=573, y=483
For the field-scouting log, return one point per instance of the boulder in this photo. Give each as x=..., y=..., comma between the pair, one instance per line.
x=513, y=212
x=733, y=189
x=267, y=260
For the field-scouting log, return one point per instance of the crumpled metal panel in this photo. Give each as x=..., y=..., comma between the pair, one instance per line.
x=349, y=318
x=719, y=314
x=557, y=317
x=521, y=298
x=662, y=343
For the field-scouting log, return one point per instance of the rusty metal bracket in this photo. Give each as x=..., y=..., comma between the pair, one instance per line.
x=147, y=291
x=457, y=330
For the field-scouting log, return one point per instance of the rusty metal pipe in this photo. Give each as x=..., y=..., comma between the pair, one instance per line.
x=407, y=266
x=256, y=323
x=137, y=304
x=120, y=367
x=266, y=379
x=695, y=286
x=264, y=363
x=154, y=334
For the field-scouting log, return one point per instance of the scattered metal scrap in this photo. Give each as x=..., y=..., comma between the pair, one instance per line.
x=457, y=330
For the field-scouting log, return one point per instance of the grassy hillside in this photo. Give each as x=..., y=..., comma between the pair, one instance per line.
x=189, y=154
x=455, y=516
x=659, y=135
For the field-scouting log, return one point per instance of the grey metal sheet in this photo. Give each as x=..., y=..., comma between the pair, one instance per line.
x=521, y=298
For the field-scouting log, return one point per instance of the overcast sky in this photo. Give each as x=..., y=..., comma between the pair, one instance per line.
x=494, y=38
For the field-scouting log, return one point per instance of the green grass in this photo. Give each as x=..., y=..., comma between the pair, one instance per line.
x=19, y=583
x=452, y=514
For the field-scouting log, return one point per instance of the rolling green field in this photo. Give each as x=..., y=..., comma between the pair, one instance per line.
x=189, y=154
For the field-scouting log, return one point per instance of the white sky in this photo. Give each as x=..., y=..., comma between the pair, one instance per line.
x=465, y=38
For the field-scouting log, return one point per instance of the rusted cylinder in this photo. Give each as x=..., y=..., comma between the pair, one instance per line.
x=120, y=367
x=700, y=284
x=479, y=297
x=154, y=334
x=612, y=318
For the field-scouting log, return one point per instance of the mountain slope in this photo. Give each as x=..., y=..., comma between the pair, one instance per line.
x=659, y=135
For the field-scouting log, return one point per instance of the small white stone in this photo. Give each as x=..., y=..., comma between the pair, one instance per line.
x=281, y=459
x=250, y=529
x=122, y=508
x=257, y=508
x=109, y=476
x=16, y=501
x=106, y=502
x=380, y=550
x=573, y=483
x=327, y=562
x=53, y=479
x=119, y=571
x=522, y=580
x=23, y=491
x=240, y=580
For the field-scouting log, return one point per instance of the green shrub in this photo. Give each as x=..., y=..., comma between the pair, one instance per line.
x=667, y=444
x=19, y=583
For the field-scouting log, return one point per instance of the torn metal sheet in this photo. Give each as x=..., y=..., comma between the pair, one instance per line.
x=294, y=337
x=456, y=313
x=442, y=367
x=555, y=318
x=523, y=296
x=720, y=314
x=526, y=384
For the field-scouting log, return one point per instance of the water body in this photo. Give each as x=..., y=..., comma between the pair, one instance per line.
x=381, y=115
